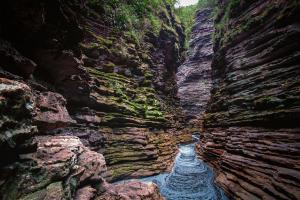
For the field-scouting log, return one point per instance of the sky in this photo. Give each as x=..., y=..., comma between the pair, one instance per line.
x=186, y=3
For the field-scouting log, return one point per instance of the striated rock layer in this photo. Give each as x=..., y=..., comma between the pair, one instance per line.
x=83, y=101
x=194, y=75
x=252, y=125
x=47, y=166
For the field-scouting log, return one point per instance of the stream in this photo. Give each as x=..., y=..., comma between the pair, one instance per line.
x=190, y=178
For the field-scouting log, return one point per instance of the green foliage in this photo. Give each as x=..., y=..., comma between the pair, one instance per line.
x=131, y=16
x=155, y=23
x=222, y=25
x=187, y=14
x=225, y=32
x=206, y=3
x=134, y=35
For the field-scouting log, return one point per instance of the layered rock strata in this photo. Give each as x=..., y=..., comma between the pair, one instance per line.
x=252, y=130
x=194, y=75
x=76, y=90
x=51, y=167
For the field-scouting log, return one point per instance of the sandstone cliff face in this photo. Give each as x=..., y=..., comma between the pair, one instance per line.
x=51, y=167
x=252, y=123
x=194, y=76
x=74, y=88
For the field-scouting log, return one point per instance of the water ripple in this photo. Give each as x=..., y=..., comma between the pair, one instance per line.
x=190, y=179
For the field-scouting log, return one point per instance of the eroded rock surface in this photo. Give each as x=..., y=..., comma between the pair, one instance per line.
x=194, y=76
x=63, y=168
x=252, y=123
x=132, y=190
x=75, y=92
x=53, y=171
x=17, y=108
x=255, y=162
x=51, y=111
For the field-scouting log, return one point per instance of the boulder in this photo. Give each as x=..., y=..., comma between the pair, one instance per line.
x=51, y=111
x=131, y=191
x=57, y=159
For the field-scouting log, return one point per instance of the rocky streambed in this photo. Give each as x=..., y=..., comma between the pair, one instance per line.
x=190, y=178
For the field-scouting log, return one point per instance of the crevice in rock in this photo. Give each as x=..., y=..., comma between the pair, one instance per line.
x=194, y=75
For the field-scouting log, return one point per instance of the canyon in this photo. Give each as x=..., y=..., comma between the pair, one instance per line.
x=194, y=75
x=83, y=103
x=89, y=97
x=251, y=124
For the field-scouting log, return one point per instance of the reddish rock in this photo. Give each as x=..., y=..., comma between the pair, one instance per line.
x=254, y=162
x=59, y=66
x=255, y=71
x=65, y=160
x=93, y=165
x=122, y=94
x=131, y=191
x=85, y=193
x=51, y=111
x=66, y=150
x=65, y=71
x=143, y=153
x=17, y=108
x=59, y=158
x=252, y=130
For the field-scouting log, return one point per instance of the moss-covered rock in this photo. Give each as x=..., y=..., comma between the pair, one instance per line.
x=114, y=63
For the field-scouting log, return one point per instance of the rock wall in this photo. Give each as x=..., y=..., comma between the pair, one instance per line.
x=194, y=75
x=252, y=128
x=46, y=166
x=83, y=103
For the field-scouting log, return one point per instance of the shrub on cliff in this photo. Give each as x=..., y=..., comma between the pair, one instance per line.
x=187, y=13
x=132, y=16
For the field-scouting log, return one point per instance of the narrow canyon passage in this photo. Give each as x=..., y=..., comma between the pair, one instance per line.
x=194, y=75
x=190, y=178
x=99, y=100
